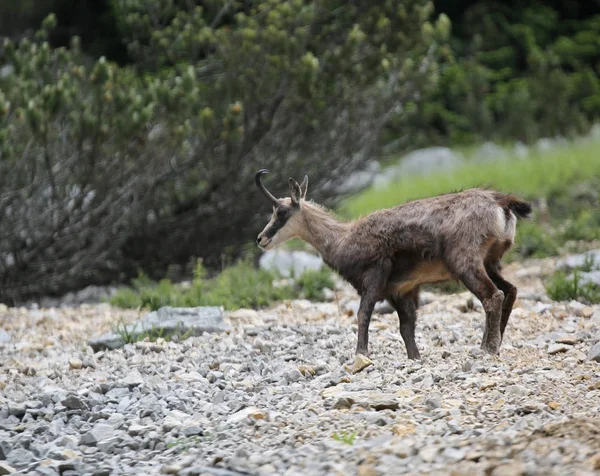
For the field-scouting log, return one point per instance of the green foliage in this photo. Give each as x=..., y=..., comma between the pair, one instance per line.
x=535, y=241
x=345, y=437
x=563, y=286
x=566, y=287
x=311, y=283
x=136, y=334
x=238, y=286
x=128, y=336
x=184, y=444
x=107, y=169
x=586, y=226
x=516, y=72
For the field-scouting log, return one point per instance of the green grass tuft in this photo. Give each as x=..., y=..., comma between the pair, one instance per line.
x=312, y=283
x=563, y=286
x=238, y=286
x=343, y=437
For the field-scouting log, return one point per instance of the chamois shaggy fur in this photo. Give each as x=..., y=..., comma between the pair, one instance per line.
x=390, y=253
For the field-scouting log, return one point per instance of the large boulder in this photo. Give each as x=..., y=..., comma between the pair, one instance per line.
x=289, y=263
x=421, y=162
x=167, y=321
x=361, y=179
x=577, y=261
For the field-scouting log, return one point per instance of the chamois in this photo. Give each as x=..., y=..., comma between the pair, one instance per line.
x=389, y=253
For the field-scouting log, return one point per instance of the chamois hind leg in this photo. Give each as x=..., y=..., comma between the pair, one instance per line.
x=509, y=290
x=406, y=307
x=475, y=278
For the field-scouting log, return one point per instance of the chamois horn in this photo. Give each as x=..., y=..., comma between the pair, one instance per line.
x=262, y=188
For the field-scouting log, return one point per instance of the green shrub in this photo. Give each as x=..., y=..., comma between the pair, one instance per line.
x=108, y=168
x=238, y=286
x=311, y=283
x=345, y=437
x=564, y=287
x=535, y=241
x=586, y=226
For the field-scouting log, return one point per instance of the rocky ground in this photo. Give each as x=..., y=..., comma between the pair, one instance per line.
x=274, y=395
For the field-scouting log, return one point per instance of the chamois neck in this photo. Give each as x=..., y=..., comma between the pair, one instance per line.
x=322, y=230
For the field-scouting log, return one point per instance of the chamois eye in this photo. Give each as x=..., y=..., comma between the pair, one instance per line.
x=281, y=212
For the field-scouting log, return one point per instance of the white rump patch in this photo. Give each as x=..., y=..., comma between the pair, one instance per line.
x=506, y=228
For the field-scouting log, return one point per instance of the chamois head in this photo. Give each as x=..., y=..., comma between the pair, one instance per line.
x=285, y=221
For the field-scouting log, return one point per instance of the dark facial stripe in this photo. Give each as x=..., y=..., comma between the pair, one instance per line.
x=278, y=224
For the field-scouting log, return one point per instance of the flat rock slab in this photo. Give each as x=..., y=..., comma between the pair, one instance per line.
x=577, y=261
x=166, y=322
x=374, y=400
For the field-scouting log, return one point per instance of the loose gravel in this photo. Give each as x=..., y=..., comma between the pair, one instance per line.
x=274, y=395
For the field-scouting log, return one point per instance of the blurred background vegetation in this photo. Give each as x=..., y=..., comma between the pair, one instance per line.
x=130, y=130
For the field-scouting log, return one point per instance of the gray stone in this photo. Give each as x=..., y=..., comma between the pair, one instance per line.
x=116, y=394
x=375, y=400
x=193, y=321
x=428, y=453
x=360, y=179
x=106, y=445
x=541, y=307
x=133, y=379
x=517, y=390
x=74, y=402
x=433, y=403
x=192, y=430
x=567, y=339
x=594, y=353
x=5, y=445
x=383, y=307
x=89, y=295
x=17, y=409
x=590, y=277
x=420, y=162
x=6, y=469
x=289, y=263
x=577, y=261
x=5, y=337
x=210, y=470
x=455, y=454
x=100, y=432
x=558, y=348
x=294, y=375
x=489, y=151
x=20, y=458
x=214, y=375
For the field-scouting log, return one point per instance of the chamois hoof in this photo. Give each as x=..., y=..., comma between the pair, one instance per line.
x=491, y=349
x=361, y=362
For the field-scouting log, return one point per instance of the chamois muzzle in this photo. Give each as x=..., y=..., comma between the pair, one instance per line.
x=262, y=188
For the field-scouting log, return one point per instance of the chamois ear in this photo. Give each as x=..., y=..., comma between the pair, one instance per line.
x=304, y=186
x=295, y=192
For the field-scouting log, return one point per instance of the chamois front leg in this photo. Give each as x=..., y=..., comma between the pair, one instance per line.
x=367, y=304
x=365, y=310
x=373, y=285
